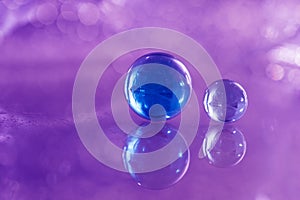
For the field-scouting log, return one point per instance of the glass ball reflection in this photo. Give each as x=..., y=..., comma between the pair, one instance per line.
x=225, y=101
x=167, y=175
x=157, y=78
x=224, y=148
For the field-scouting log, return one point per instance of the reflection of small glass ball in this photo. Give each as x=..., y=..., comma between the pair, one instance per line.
x=167, y=175
x=225, y=100
x=224, y=148
x=157, y=78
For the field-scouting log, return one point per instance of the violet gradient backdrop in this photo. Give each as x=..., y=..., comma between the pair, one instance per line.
x=42, y=44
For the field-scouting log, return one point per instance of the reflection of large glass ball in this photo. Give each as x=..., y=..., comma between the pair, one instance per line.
x=225, y=101
x=224, y=148
x=157, y=78
x=167, y=175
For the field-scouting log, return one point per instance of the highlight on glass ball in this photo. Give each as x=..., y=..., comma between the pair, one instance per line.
x=225, y=101
x=224, y=148
x=165, y=176
x=158, y=78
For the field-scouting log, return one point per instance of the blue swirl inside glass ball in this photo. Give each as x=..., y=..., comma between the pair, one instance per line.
x=225, y=101
x=157, y=78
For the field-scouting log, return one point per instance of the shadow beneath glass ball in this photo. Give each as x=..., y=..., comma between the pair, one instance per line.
x=164, y=176
x=223, y=147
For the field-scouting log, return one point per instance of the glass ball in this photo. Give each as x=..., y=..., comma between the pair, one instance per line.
x=158, y=78
x=224, y=148
x=225, y=101
x=166, y=176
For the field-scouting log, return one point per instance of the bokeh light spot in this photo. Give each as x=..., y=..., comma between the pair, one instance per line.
x=275, y=72
x=46, y=13
x=88, y=13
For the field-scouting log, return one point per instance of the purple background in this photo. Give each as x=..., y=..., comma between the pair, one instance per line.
x=42, y=44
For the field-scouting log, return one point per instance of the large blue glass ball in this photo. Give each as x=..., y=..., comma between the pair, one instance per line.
x=166, y=176
x=158, y=78
x=225, y=101
x=224, y=148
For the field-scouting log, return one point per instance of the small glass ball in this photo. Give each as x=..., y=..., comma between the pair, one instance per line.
x=165, y=176
x=225, y=101
x=224, y=148
x=158, y=78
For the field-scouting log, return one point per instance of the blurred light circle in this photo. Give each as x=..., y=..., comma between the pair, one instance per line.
x=1, y=36
x=119, y=2
x=294, y=78
x=285, y=53
x=270, y=33
x=88, y=13
x=195, y=3
x=65, y=26
x=106, y=7
x=275, y=72
x=262, y=197
x=31, y=17
x=297, y=56
x=22, y=2
x=46, y=13
x=10, y=4
x=87, y=33
x=68, y=11
x=290, y=29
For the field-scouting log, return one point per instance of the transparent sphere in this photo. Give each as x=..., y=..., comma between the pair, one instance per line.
x=225, y=100
x=224, y=148
x=164, y=176
x=157, y=78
